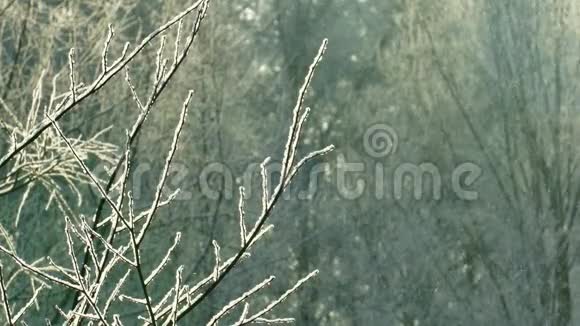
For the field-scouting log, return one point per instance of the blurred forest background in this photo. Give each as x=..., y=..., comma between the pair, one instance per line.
x=491, y=82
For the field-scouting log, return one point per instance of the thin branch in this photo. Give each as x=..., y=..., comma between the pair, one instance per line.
x=5, y=298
